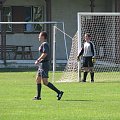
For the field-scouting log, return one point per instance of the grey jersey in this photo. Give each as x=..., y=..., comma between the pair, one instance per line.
x=44, y=48
x=89, y=49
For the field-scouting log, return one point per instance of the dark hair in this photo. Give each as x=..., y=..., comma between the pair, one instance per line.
x=88, y=34
x=44, y=33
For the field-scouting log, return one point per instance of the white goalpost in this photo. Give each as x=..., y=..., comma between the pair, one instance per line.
x=105, y=34
x=65, y=35
x=54, y=44
x=53, y=24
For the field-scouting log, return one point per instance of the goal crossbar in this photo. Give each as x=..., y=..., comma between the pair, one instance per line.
x=98, y=14
x=32, y=22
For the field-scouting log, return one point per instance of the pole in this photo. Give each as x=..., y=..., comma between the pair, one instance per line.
x=79, y=46
x=54, y=52
x=65, y=41
x=3, y=36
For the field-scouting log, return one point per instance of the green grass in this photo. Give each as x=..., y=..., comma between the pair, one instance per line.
x=81, y=101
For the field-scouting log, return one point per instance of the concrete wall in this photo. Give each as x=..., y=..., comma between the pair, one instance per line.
x=66, y=10
x=24, y=39
x=21, y=39
x=62, y=10
x=24, y=2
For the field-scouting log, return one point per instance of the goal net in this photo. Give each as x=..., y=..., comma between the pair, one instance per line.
x=105, y=34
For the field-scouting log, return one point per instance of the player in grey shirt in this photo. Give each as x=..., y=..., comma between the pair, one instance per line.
x=43, y=69
x=88, y=52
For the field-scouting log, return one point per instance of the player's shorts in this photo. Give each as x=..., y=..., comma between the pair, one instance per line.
x=87, y=62
x=43, y=70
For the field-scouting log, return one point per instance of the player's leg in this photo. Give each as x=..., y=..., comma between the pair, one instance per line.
x=91, y=69
x=85, y=67
x=50, y=85
x=92, y=74
x=38, y=85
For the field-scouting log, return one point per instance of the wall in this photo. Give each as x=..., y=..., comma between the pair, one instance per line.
x=24, y=2
x=66, y=11
x=62, y=10
x=21, y=38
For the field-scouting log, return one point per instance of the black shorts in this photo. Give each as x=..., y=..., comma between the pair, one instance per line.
x=43, y=70
x=87, y=62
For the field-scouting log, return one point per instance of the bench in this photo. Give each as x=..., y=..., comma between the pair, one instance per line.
x=9, y=49
x=22, y=50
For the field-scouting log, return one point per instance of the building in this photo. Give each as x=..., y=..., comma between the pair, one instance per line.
x=44, y=10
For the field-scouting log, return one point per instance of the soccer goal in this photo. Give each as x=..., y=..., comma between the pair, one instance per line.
x=105, y=34
x=20, y=43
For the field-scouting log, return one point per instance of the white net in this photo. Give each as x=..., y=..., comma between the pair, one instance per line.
x=71, y=69
x=105, y=34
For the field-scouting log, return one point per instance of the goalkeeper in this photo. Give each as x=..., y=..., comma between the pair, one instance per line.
x=88, y=52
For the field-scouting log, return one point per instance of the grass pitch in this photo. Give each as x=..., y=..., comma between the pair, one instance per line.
x=81, y=101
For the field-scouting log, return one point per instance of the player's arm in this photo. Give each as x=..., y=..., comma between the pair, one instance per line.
x=93, y=52
x=45, y=51
x=42, y=56
x=81, y=52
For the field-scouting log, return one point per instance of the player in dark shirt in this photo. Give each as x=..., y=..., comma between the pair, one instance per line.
x=43, y=63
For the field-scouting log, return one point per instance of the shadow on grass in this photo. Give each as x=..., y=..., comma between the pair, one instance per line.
x=108, y=82
x=18, y=69
x=78, y=100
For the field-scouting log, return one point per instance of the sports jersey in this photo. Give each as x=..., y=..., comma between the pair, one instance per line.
x=88, y=50
x=44, y=64
x=44, y=48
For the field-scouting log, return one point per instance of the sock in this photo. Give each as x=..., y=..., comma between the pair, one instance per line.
x=85, y=75
x=92, y=76
x=51, y=86
x=39, y=90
